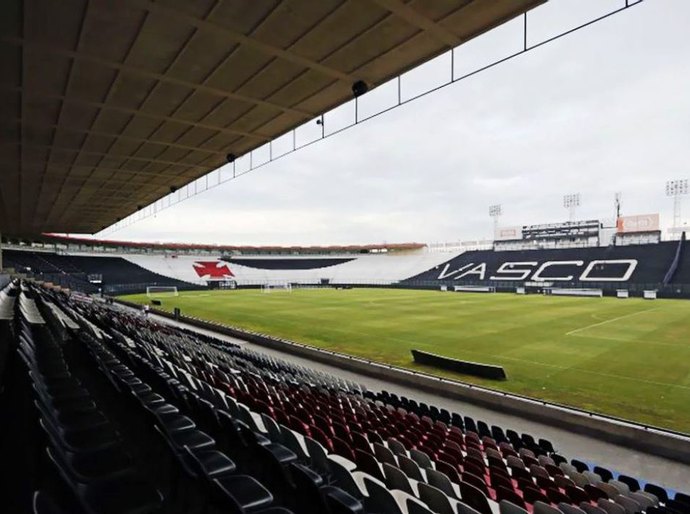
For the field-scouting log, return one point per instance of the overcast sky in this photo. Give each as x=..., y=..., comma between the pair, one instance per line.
x=602, y=110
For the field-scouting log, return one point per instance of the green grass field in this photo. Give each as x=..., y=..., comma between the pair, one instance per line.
x=628, y=358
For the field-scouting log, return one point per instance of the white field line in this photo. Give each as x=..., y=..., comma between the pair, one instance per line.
x=572, y=332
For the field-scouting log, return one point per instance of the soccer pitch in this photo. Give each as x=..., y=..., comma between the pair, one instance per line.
x=623, y=357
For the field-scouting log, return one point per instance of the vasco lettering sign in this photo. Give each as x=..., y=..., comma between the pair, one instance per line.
x=599, y=270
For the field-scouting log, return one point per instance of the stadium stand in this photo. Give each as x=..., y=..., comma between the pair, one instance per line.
x=116, y=275
x=116, y=398
x=636, y=267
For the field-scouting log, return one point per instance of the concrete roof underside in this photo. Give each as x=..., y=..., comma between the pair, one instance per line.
x=106, y=104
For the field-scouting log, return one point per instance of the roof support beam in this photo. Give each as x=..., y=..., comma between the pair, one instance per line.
x=167, y=144
x=185, y=165
x=101, y=105
x=132, y=70
x=237, y=37
x=414, y=18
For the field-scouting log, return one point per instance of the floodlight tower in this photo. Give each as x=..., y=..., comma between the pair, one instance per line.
x=571, y=202
x=675, y=189
x=495, y=211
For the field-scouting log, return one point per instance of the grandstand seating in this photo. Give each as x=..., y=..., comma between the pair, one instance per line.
x=118, y=275
x=120, y=398
x=649, y=265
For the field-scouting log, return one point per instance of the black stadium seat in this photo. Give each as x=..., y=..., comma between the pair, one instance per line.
x=246, y=432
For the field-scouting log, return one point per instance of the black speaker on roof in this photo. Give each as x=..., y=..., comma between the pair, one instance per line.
x=359, y=88
x=231, y=157
x=173, y=189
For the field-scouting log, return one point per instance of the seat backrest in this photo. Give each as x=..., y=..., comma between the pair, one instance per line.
x=643, y=499
x=475, y=498
x=435, y=499
x=246, y=416
x=622, y=487
x=609, y=489
x=581, y=466
x=591, y=509
x=631, y=506
x=440, y=481
x=44, y=504
x=515, y=462
x=290, y=440
x=415, y=507
x=657, y=491
x=631, y=482
x=272, y=428
x=463, y=508
x=604, y=473
x=317, y=456
x=579, y=479
x=566, y=508
x=344, y=479
x=421, y=458
x=563, y=481
x=410, y=468
x=544, y=460
x=396, y=479
x=396, y=446
x=506, y=507
x=367, y=462
x=594, y=478
x=568, y=469
x=384, y=455
x=610, y=507
x=543, y=508
x=379, y=499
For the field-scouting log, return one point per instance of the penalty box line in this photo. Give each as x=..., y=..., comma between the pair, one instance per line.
x=573, y=332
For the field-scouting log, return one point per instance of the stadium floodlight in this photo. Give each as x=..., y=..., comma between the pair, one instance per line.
x=675, y=189
x=571, y=202
x=495, y=211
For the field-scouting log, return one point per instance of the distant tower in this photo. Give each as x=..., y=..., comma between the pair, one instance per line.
x=571, y=202
x=675, y=189
x=495, y=211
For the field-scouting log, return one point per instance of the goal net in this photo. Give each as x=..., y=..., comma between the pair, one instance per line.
x=161, y=291
x=572, y=291
x=272, y=288
x=474, y=289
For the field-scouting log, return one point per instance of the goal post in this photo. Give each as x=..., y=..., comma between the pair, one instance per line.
x=283, y=288
x=573, y=291
x=474, y=289
x=161, y=291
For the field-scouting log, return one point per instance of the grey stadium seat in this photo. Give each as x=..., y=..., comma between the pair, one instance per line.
x=543, y=508
x=410, y=468
x=566, y=508
x=379, y=498
x=630, y=505
x=396, y=479
x=505, y=507
x=440, y=481
x=611, y=507
x=435, y=499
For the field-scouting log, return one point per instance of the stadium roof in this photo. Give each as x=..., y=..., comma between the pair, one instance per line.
x=63, y=239
x=107, y=104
